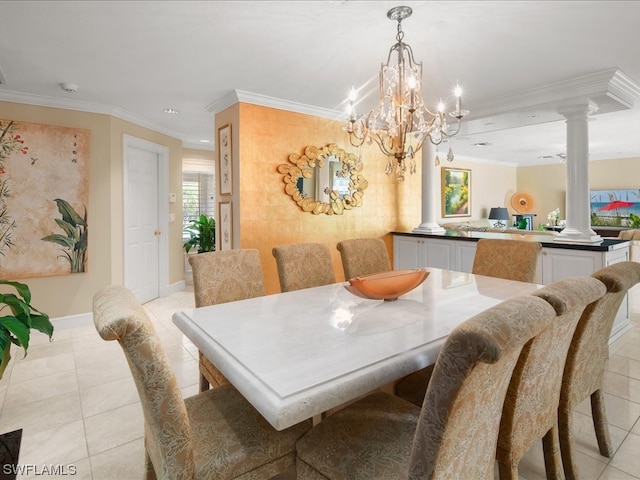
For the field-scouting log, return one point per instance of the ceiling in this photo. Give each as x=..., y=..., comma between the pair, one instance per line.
x=133, y=59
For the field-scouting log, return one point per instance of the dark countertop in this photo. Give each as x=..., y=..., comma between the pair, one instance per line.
x=607, y=244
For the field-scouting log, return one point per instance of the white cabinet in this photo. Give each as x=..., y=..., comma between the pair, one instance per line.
x=417, y=252
x=554, y=262
x=562, y=263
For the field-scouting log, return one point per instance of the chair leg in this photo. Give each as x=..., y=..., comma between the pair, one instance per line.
x=600, y=423
x=149, y=471
x=551, y=448
x=567, y=442
x=508, y=472
x=204, y=383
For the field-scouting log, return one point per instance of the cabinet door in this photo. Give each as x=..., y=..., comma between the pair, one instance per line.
x=439, y=253
x=563, y=263
x=407, y=252
x=465, y=254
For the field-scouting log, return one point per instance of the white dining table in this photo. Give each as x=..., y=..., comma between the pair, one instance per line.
x=298, y=354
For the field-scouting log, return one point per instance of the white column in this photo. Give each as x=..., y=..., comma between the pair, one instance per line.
x=430, y=191
x=578, y=227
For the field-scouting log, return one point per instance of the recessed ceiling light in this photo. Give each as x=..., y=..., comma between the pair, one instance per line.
x=171, y=110
x=205, y=141
x=481, y=144
x=534, y=115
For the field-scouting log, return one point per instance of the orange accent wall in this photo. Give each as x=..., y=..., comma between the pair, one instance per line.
x=265, y=216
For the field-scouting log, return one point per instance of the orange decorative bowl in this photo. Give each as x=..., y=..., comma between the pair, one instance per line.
x=386, y=285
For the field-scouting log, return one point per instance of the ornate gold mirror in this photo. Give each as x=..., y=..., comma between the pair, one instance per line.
x=324, y=180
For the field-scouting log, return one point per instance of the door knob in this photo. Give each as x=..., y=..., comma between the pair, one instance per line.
x=157, y=233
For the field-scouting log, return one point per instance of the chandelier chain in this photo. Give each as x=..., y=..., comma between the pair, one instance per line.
x=400, y=34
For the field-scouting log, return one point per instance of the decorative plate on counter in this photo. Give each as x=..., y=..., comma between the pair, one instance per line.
x=387, y=285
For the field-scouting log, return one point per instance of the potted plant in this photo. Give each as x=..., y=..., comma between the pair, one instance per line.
x=203, y=234
x=17, y=318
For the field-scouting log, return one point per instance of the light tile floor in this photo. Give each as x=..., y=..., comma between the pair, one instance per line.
x=78, y=407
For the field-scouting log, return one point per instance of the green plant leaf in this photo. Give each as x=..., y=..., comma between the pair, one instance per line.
x=19, y=329
x=69, y=229
x=17, y=305
x=16, y=328
x=60, y=240
x=42, y=323
x=5, y=355
x=203, y=234
x=23, y=290
x=4, y=341
x=68, y=213
x=81, y=244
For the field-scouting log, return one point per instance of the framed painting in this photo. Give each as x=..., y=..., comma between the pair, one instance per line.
x=44, y=195
x=225, y=160
x=226, y=226
x=456, y=192
x=615, y=208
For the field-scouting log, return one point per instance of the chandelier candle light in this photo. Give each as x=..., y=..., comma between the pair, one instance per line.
x=402, y=122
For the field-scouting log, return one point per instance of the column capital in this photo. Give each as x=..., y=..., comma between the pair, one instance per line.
x=577, y=109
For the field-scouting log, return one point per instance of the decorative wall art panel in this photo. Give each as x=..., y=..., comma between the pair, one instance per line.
x=225, y=160
x=226, y=226
x=44, y=193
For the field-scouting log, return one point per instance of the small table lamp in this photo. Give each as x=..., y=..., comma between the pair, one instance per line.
x=499, y=214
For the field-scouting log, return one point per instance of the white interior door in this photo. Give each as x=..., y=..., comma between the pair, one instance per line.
x=144, y=233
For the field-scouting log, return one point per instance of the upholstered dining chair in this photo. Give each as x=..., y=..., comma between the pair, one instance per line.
x=584, y=369
x=362, y=256
x=303, y=265
x=454, y=434
x=531, y=406
x=508, y=259
x=221, y=277
x=215, y=434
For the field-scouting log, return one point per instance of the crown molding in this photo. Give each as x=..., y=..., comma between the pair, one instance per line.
x=608, y=91
x=210, y=147
x=610, y=84
x=78, y=105
x=237, y=96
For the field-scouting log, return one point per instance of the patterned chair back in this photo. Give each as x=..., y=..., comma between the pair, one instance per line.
x=303, y=265
x=589, y=348
x=460, y=416
x=118, y=316
x=510, y=259
x=226, y=276
x=362, y=256
x=221, y=277
x=530, y=409
x=584, y=369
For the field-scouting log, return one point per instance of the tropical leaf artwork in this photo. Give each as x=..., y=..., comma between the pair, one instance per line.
x=74, y=240
x=40, y=163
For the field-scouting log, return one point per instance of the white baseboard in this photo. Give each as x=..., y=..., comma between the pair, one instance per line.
x=72, y=321
x=86, y=319
x=171, y=289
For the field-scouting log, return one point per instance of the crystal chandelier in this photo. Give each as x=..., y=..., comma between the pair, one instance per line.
x=402, y=122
